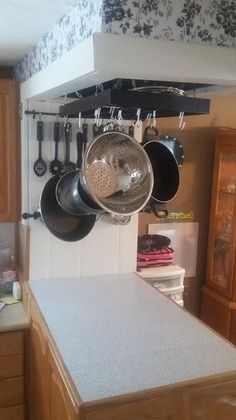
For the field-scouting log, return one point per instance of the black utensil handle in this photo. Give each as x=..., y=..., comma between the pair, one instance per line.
x=40, y=150
x=56, y=134
x=85, y=138
x=39, y=131
x=67, y=140
x=79, y=143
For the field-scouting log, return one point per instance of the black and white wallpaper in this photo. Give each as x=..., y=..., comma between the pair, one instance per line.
x=201, y=21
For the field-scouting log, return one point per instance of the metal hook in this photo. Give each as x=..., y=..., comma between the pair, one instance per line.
x=181, y=121
x=66, y=119
x=149, y=118
x=80, y=123
x=78, y=94
x=97, y=118
x=119, y=116
x=112, y=110
x=154, y=123
x=138, y=116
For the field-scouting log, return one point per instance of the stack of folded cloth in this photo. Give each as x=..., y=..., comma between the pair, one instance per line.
x=154, y=251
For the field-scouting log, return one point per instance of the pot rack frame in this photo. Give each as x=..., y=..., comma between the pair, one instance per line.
x=165, y=105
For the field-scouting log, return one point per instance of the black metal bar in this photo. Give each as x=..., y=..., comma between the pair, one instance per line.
x=34, y=113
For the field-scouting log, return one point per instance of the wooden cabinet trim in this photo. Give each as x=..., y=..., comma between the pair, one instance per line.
x=10, y=187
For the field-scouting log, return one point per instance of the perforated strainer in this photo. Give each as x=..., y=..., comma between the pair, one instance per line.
x=102, y=179
x=117, y=173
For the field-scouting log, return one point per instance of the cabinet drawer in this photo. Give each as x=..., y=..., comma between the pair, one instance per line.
x=11, y=343
x=12, y=413
x=11, y=366
x=215, y=402
x=11, y=392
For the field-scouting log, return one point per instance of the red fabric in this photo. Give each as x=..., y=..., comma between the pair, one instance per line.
x=155, y=259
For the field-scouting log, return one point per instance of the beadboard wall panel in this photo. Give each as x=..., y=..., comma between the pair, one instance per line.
x=107, y=249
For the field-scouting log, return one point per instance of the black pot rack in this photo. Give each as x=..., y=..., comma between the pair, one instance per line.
x=165, y=105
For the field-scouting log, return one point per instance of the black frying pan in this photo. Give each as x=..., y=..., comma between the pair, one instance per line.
x=61, y=224
x=165, y=168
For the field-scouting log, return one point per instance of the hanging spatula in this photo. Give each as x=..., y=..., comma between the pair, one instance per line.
x=56, y=166
x=40, y=166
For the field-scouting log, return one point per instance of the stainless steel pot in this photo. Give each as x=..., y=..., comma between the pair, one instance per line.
x=116, y=173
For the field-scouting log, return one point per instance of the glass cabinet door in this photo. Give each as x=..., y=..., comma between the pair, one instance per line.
x=223, y=235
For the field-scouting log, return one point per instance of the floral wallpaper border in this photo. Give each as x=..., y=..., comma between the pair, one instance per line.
x=212, y=22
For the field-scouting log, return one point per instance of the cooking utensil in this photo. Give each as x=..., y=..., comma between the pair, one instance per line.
x=116, y=172
x=40, y=166
x=56, y=166
x=68, y=165
x=61, y=224
x=165, y=167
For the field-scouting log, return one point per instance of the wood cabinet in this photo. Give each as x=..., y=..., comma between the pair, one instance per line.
x=9, y=151
x=39, y=370
x=12, y=375
x=219, y=293
x=62, y=405
x=49, y=398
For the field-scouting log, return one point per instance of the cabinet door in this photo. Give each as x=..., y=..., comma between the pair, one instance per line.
x=9, y=152
x=39, y=371
x=214, y=403
x=222, y=237
x=62, y=405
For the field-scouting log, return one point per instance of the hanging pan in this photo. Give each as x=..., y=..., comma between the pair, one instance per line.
x=164, y=165
x=116, y=173
x=61, y=224
x=69, y=194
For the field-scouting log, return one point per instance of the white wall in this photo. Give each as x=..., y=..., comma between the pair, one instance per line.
x=107, y=249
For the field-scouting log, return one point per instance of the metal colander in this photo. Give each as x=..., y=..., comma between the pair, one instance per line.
x=117, y=173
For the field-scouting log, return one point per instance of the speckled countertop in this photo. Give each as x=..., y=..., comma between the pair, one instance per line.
x=117, y=335
x=13, y=317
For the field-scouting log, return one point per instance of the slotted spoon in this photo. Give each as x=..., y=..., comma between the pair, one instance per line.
x=40, y=166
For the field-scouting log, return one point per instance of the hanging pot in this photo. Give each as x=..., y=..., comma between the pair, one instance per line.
x=116, y=173
x=164, y=165
x=69, y=194
x=61, y=224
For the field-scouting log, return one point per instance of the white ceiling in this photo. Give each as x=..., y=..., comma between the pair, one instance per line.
x=24, y=22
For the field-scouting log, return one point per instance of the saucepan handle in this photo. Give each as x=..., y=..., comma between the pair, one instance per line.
x=150, y=133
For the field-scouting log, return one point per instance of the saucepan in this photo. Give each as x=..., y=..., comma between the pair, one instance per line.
x=162, y=152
